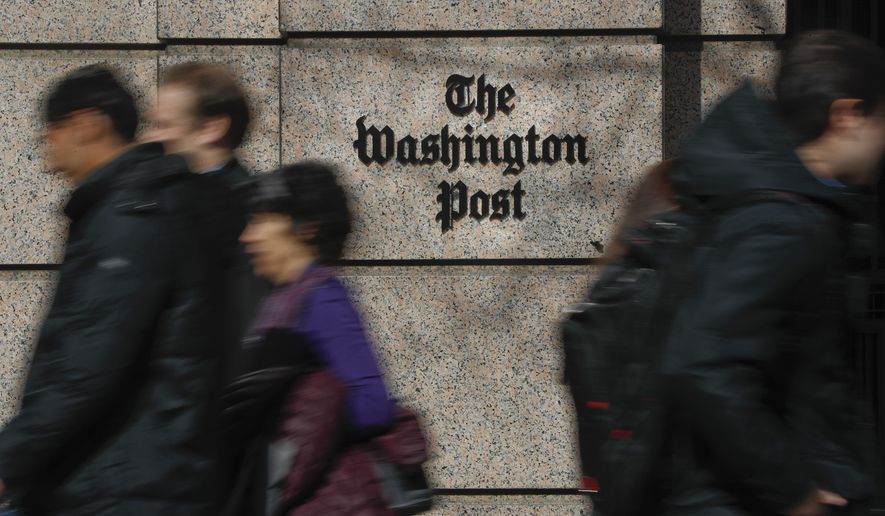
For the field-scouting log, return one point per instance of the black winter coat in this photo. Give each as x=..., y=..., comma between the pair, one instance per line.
x=120, y=403
x=756, y=357
x=228, y=191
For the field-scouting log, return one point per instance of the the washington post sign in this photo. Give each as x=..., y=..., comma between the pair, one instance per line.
x=508, y=155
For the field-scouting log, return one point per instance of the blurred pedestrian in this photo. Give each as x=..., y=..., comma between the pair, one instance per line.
x=117, y=410
x=203, y=115
x=763, y=421
x=337, y=423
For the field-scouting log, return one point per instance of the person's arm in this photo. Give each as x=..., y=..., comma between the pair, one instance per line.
x=725, y=343
x=333, y=325
x=86, y=352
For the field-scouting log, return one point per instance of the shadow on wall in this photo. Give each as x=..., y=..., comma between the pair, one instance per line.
x=686, y=72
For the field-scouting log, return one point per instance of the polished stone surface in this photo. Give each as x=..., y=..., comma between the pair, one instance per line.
x=609, y=93
x=31, y=225
x=238, y=19
x=460, y=15
x=698, y=78
x=506, y=505
x=258, y=70
x=78, y=21
x=727, y=64
x=726, y=17
x=24, y=297
x=476, y=351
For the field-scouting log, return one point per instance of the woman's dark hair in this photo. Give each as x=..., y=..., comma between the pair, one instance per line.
x=820, y=67
x=309, y=193
x=94, y=87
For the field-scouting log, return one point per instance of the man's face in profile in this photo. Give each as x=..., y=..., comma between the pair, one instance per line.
x=871, y=145
x=174, y=123
x=66, y=140
x=859, y=144
x=57, y=139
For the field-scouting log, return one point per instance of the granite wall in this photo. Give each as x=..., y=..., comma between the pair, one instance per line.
x=462, y=300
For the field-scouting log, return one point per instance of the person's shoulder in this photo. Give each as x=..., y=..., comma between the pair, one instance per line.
x=331, y=295
x=331, y=290
x=236, y=176
x=152, y=168
x=776, y=213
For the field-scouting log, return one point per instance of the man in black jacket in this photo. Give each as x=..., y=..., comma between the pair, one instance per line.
x=763, y=421
x=120, y=398
x=202, y=115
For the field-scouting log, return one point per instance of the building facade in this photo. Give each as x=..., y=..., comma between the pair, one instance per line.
x=487, y=146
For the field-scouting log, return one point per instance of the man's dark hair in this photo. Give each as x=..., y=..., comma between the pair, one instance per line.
x=217, y=93
x=820, y=67
x=94, y=87
x=309, y=193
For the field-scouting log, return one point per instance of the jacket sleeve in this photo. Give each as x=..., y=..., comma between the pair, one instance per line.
x=101, y=318
x=333, y=325
x=725, y=341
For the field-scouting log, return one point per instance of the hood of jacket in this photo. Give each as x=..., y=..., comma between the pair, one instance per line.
x=742, y=147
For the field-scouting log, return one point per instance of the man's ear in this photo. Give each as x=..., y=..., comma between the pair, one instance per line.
x=214, y=129
x=846, y=115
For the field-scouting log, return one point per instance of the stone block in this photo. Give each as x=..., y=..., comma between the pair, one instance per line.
x=719, y=17
x=699, y=76
x=476, y=351
x=78, y=21
x=599, y=103
x=461, y=15
x=507, y=505
x=258, y=70
x=24, y=297
x=239, y=19
x=31, y=224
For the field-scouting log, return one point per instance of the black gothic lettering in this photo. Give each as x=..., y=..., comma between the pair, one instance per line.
x=505, y=95
x=361, y=143
x=570, y=143
x=458, y=94
x=468, y=145
x=532, y=138
x=513, y=155
x=488, y=149
x=448, y=214
x=430, y=149
x=552, y=149
x=518, y=192
x=451, y=149
x=500, y=205
x=407, y=151
x=479, y=205
x=485, y=93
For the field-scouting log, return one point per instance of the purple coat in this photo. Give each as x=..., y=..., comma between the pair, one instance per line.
x=331, y=323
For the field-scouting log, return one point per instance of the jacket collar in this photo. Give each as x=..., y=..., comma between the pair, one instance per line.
x=102, y=181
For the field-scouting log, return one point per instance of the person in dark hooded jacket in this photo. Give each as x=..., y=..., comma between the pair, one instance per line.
x=118, y=410
x=763, y=418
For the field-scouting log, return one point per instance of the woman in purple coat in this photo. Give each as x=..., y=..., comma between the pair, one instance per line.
x=299, y=223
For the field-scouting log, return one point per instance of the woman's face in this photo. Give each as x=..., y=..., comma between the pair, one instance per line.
x=274, y=246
